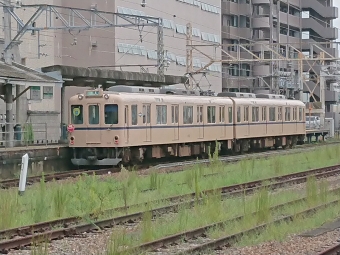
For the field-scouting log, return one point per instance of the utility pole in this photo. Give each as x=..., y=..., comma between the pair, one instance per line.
x=190, y=85
x=8, y=87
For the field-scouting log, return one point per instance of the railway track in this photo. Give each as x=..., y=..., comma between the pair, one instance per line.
x=334, y=250
x=22, y=236
x=176, y=166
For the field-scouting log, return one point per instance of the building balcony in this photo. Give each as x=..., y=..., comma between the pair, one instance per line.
x=236, y=8
x=307, y=44
x=292, y=20
x=328, y=12
x=236, y=33
x=261, y=22
x=330, y=33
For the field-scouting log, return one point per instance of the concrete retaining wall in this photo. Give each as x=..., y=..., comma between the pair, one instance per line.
x=41, y=159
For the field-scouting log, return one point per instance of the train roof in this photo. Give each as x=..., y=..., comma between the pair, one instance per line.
x=182, y=99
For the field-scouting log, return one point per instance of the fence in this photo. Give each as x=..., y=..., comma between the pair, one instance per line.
x=31, y=134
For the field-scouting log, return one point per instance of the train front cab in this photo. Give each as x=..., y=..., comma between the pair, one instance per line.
x=97, y=134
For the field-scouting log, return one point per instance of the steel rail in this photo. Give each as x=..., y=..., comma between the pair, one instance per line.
x=334, y=250
x=194, y=233
x=227, y=241
x=10, y=183
x=39, y=230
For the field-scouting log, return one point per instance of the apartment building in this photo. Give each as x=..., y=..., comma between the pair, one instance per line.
x=286, y=22
x=135, y=48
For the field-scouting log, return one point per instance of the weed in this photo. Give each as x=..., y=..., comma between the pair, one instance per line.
x=60, y=199
x=263, y=206
x=311, y=189
x=147, y=226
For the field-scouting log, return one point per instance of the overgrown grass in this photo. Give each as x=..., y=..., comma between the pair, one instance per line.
x=256, y=210
x=92, y=194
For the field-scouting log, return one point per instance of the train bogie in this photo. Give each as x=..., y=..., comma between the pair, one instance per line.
x=111, y=127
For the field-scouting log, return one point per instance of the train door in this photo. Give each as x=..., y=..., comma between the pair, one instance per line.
x=147, y=121
x=200, y=122
x=174, y=120
x=93, y=134
x=280, y=120
x=264, y=120
x=246, y=120
x=126, y=123
x=222, y=121
x=295, y=119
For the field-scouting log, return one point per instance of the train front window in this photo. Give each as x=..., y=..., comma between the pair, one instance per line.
x=93, y=114
x=77, y=114
x=111, y=114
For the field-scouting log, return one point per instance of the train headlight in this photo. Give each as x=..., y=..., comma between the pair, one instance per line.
x=72, y=140
x=80, y=97
x=106, y=96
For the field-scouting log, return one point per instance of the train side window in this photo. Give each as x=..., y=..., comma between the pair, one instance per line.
x=246, y=114
x=255, y=114
x=187, y=115
x=230, y=114
x=287, y=114
x=93, y=114
x=134, y=114
x=300, y=114
x=272, y=113
x=174, y=114
x=211, y=111
x=264, y=113
x=222, y=114
x=161, y=111
x=146, y=114
x=294, y=113
x=238, y=114
x=111, y=114
x=77, y=114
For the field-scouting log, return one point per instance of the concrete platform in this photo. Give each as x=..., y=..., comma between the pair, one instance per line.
x=328, y=227
x=316, y=131
x=42, y=158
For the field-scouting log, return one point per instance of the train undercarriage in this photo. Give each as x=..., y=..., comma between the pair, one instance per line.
x=134, y=155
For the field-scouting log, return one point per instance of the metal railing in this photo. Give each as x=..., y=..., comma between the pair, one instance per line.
x=30, y=134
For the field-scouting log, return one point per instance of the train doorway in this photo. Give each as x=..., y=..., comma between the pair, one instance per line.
x=147, y=121
x=200, y=122
x=126, y=123
x=174, y=121
x=93, y=124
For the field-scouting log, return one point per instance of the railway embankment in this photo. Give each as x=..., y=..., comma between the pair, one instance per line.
x=43, y=158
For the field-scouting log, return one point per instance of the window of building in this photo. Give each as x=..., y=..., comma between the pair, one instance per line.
x=287, y=114
x=47, y=92
x=93, y=114
x=238, y=114
x=111, y=114
x=35, y=93
x=211, y=114
x=77, y=114
x=161, y=111
x=230, y=114
x=134, y=114
x=222, y=114
x=187, y=114
x=255, y=114
x=272, y=113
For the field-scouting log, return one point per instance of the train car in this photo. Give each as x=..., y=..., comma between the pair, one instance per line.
x=109, y=127
x=114, y=127
x=265, y=123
